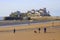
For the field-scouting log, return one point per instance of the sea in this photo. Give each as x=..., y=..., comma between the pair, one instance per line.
x=1, y=18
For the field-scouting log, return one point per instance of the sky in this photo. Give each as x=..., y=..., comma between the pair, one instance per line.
x=8, y=6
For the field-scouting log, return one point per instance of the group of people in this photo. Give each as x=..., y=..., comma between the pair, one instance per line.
x=40, y=29
x=34, y=31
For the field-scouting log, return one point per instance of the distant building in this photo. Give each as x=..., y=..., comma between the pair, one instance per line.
x=15, y=14
x=40, y=12
x=43, y=12
x=33, y=13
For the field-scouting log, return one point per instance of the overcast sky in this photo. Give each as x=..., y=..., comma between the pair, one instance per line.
x=8, y=6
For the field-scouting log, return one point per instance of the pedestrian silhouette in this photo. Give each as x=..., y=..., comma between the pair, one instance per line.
x=44, y=30
x=14, y=30
x=39, y=30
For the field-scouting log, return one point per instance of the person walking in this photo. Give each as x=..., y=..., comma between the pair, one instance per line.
x=14, y=30
x=39, y=30
x=44, y=30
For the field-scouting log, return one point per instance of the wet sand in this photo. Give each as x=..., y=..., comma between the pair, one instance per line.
x=53, y=33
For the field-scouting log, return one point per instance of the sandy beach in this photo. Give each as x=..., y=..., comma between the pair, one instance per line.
x=27, y=32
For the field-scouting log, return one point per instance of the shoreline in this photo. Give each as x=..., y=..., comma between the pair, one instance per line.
x=24, y=23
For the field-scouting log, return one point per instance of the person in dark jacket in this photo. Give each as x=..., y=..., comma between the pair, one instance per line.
x=44, y=30
x=14, y=30
x=39, y=30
